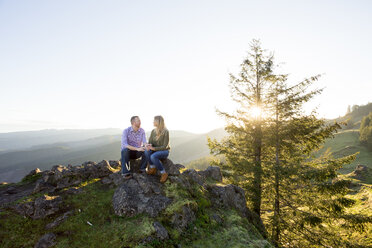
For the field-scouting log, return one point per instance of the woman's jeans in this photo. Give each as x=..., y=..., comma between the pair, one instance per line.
x=154, y=158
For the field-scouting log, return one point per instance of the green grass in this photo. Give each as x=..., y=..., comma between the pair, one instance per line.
x=94, y=204
x=346, y=143
x=30, y=178
x=362, y=194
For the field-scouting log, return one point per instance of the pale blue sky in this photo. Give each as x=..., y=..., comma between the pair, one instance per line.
x=93, y=64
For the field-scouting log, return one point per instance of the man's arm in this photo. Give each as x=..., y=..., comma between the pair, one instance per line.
x=124, y=139
x=144, y=138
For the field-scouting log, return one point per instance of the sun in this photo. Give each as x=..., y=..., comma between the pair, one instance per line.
x=255, y=112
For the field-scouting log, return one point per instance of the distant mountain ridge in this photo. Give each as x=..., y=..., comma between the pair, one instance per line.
x=185, y=147
x=26, y=139
x=22, y=151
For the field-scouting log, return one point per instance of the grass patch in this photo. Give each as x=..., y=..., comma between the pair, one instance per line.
x=107, y=230
x=346, y=143
x=30, y=178
x=94, y=204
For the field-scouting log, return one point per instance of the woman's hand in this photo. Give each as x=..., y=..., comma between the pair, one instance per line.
x=147, y=147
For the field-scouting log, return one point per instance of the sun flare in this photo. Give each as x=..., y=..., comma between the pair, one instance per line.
x=255, y=112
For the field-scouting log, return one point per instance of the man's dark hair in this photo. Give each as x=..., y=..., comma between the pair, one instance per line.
x=132, y=118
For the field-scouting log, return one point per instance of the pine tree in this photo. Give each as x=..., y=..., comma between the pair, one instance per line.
x=250, y=89
x=303, y=201
x=294, y=137
x=365, y=131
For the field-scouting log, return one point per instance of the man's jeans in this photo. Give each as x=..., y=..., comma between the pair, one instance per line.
x=154, y=158
x=127, y=154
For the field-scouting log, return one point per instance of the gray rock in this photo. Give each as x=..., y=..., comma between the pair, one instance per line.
x=46, y=205
x=106, y=180
x=140, y=194
x=33, y=172
x=360, y=172
x=193, y=175
x=58, y=220
x=229, y=196
x=103, y=168
x=181, y=220
x=212, y=172
x=180, y=180
x=161, y=232
x=170, y=168
x=73, y=191
x=25, y=209
x=42, y=186
x=40, y=208
x=217, y=218
x=232, y=196
x=116, y=164
x=116, y=178
x=60, y=176
x=47, y=240
x=11, y=190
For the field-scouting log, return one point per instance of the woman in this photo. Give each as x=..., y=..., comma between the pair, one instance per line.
x=158, y=148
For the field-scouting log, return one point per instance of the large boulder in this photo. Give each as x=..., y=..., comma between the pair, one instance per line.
x=140, y=194
x=230, y=196
x=171, y=168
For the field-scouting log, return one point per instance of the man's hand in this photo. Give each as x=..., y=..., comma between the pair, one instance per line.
x=140, y=149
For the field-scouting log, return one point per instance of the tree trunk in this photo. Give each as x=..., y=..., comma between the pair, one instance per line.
x=257, y=171
x=276, y=225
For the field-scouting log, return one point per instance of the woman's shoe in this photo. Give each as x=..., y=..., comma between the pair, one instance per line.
x=163, y=177
x=151, y=171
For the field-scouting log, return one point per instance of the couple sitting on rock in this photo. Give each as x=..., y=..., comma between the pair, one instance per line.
x=134, y=145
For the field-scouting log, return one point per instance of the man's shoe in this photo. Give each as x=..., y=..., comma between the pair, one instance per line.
x=151, y=171
x=164, y=177
x=126, y=176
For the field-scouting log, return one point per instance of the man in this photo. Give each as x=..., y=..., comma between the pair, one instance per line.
x=133, y=141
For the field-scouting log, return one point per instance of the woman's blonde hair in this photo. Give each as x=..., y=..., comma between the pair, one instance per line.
x=161, y=126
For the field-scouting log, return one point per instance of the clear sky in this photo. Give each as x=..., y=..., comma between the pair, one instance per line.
x=94, y=64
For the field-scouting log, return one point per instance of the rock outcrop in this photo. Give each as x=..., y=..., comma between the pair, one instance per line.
x=60, y=176
x=175, y=203
x=46, y=241
x=361, y=172
x=40, y=208
x=140, y=194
